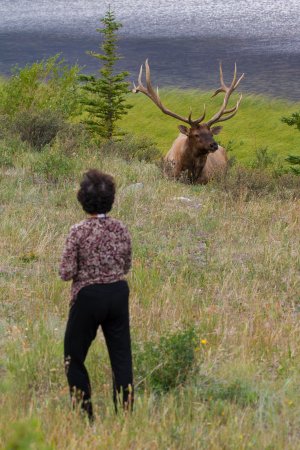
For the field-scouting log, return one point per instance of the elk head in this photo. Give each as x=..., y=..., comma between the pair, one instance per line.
x=201, y=139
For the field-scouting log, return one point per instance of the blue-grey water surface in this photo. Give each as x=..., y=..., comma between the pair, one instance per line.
x=183, y=40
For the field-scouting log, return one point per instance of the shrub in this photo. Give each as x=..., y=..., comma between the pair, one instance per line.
x=246, y=183
x=72, y=137
x=38, y=128
x=11, y=149
x=166, y=365
x=48, y=84
x=293, y=120
x=263, y=158
x=295, y=164
x=131, y=147
x=53, y=165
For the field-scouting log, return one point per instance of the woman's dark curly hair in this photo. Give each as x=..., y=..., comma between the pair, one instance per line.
x=97, y=192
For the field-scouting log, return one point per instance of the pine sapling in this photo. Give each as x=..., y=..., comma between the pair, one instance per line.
x=104, y=97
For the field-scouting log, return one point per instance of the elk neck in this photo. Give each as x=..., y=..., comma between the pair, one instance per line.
x=193, y=159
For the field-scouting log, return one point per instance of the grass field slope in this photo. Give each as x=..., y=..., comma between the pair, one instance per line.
x=215, y=297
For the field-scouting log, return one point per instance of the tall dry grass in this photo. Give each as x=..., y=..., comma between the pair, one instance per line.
x=225, y=264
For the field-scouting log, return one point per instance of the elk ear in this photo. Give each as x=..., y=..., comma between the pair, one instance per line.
x=183, y=130
x=216, y=130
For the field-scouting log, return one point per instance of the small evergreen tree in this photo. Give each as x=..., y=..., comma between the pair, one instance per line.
x=295, y=163
x=105, y=99
x=293, y=120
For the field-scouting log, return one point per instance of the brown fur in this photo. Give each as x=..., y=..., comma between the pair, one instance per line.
x=196, y=152
x=216, y=162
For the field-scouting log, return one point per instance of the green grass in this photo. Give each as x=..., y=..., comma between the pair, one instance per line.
x=256, y=125
x=227, y=267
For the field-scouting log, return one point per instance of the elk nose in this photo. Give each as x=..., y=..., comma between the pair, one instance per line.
x=214, y=146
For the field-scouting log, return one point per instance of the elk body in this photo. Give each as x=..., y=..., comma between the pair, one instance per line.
x=195, y=151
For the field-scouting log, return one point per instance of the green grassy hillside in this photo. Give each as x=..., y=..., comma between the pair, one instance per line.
x=256, y=125
x=214, y=287
x=226, y=267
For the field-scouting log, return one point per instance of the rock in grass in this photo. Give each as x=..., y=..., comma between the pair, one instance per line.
x=188, y=201
x=133, y=187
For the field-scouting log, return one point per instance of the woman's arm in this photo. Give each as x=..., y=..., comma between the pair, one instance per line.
x=69, y=264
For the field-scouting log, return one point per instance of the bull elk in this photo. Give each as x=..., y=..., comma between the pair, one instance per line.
x=195, y=151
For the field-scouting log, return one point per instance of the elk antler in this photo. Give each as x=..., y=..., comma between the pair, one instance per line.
x=154, y=96
x=228, y=91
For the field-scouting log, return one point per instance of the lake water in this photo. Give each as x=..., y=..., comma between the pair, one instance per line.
x=184, y=41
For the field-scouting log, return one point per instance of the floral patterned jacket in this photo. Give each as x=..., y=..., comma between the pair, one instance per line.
x=97, y=250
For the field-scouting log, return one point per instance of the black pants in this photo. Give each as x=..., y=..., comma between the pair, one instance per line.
x=105, y=305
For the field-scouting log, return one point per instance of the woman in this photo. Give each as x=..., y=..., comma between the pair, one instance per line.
x=96, y=257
